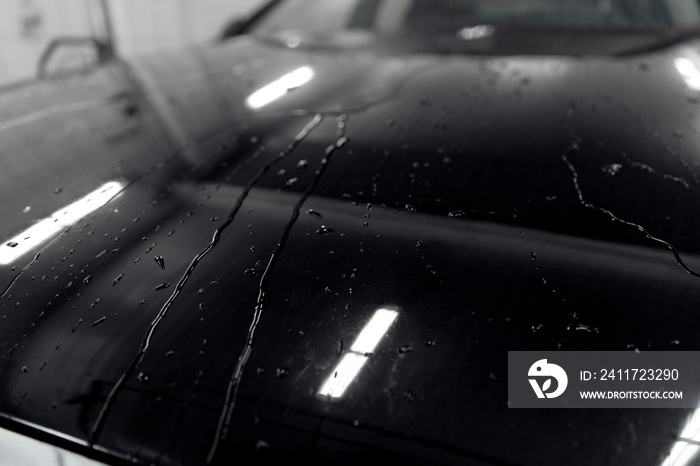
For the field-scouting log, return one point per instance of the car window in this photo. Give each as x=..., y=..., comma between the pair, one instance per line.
x=393, y=15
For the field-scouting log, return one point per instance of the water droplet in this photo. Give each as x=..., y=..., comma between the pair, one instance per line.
x=324, y=230
x=302, y=164
x=80, y=321
x=118, y=279
x=160, y=261
x=162, y=286
x=251, y=272
x=581, y=328
x=142, y=378
x=262, y=445
x=314, y=214
x=537, y=328
x=12, y=244
x=410, y=208
x=430, y=343
x=675, y=342
x=58, y=190
x=170, y=354
x=281, y=372
x=405, y=349
x=533, y=256
x=611, y=169
x=456, y=213
x=26, y=209
x=292, y=182
x=99, y=321
x=24, y=369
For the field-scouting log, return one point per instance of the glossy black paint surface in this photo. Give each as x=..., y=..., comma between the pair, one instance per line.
x=496, y=203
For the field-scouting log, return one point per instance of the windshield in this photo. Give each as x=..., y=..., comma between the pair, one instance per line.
x=388, y=16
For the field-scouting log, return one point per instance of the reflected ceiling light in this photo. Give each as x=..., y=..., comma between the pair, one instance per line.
x=681, y=454
x=280, y=87
x=350, y=365
x=688, y=444
x=475, y=32
x=689, y=71
x=344, y=373
x=376, y=328
x=66, y=216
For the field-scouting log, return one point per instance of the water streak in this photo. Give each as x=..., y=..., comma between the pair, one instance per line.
x=234, y=382
x=614, y=217
x=146, y=343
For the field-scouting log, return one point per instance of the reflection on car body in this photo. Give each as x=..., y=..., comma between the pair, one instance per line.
x=316, y=241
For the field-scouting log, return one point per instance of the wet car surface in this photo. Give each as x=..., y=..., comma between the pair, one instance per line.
x=194, y=244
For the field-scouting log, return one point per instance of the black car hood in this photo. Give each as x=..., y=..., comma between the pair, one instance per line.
x=495, y=204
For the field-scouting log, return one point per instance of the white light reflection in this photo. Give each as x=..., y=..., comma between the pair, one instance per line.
x=351, y=364
x=686, y=447
x=33, y=236
x=344, y=373
x=280, y=87
x=376, y=328
x=689, y=71
x=475, y=32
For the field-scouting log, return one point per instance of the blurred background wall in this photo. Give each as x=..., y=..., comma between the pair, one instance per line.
x=138, y=26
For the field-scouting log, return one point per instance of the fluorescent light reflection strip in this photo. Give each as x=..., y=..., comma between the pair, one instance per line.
x=686, y=448
x=280, y=87
x=29, y=239
x=689, y=71
x=343, y=375
x=352, y=362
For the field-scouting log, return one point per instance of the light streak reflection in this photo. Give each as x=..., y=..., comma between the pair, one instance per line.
x=352, y=362
x=689, y=71
x=280, y=87
x=686, y=448
x=29, y=239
